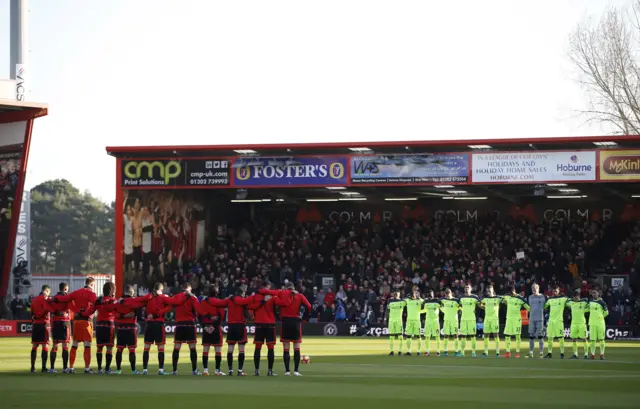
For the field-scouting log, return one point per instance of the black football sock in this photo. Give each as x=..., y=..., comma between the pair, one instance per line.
x=194, y=359
x=256, y=359
x=161, y=360
x=44, y=355
x=240, y=361
x=52, y=358
x=296, y=360
x=107, y=366
x=65, y=357
x=205, y=360
x=230, y=360
x=99, y=358
x=34, y=353
x=132, y=360
x=119, y=359
x=271, y=356
x=218, y=361
x=174, y=359
x=286, y=358
x=145, y=359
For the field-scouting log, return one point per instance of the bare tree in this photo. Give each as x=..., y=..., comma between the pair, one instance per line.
x=605, y=53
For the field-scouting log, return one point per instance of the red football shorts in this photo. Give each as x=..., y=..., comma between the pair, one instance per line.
x=82, y=331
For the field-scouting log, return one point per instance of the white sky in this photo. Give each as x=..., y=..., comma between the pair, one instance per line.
x=157, y=72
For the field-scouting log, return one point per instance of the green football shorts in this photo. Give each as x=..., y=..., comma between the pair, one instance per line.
x=432, y=329
x=395, y=328
x=491, y=327
x=468, y=327
x=579, y=331
x=513, y=326
x=555, y=329
x=450, y=327
x=412, y=328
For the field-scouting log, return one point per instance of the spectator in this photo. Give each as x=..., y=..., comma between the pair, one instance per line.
x=17, y=308
x=329, y=297
x=319, y=297
x=341, y=313
x=326, y=313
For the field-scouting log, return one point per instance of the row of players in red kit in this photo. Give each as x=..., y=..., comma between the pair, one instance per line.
x=116, y=320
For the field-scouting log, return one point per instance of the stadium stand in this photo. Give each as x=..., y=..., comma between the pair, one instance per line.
x=369, y=260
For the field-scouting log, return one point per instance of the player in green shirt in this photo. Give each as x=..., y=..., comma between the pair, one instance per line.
x=491, y=306
x=468, y=324
x=450, y=308
x=597, y=312
x=395, y=308
x=412, y=329
x=431, y=308
x=513, y=326
x=555, y=327
x=579, y=307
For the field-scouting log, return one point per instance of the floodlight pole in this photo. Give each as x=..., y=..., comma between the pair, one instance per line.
x=19, y=46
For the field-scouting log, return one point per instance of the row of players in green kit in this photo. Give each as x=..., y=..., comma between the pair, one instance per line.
x=463, y=330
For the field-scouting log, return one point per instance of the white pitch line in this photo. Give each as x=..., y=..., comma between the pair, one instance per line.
x=463, y=367
x=483, y=377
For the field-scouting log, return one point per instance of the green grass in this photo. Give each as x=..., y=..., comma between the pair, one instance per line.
x=345, y=372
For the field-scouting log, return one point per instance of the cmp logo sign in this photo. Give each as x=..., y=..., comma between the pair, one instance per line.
x=155, y=173
x=206, y=172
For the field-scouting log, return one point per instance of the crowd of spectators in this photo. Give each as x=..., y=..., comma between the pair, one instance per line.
x=368, y=261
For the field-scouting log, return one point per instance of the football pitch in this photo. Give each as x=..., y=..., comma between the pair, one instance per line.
x=344, y=372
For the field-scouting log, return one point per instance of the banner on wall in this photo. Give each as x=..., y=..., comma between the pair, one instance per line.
x=533, y=167
x=319, y=329
x=10, y=163
x=460, y=211
x=611, y=332
x=297, y=171
x=410, y=169
x=620, y=165
x=210, y=172
x=162, y=228
x=22, y=248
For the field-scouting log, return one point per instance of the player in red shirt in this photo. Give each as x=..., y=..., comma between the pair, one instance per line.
x=126, y=327
x=105, y=325
x=61, y=330
x=210, y=318
x=40, y=315
x=84, y=300
x=154, y=333
x=237, y=326
x=186, y=314
x=291, y=325
x=265, y=319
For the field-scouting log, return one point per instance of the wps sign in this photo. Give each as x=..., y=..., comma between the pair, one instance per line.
x=410, y=169
x=533, y=167
x=23, y=234
x=210, y=172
